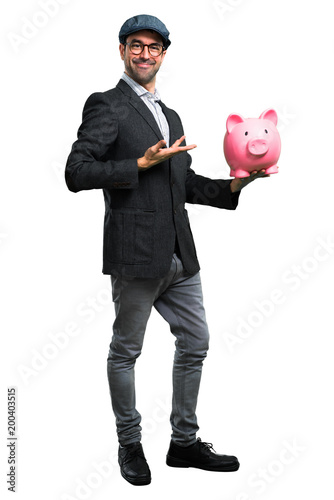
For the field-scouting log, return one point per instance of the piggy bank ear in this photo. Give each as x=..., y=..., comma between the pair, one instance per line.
x=270, y=114
x=232, y=121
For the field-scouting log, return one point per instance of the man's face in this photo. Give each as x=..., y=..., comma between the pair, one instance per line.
x=142, y=67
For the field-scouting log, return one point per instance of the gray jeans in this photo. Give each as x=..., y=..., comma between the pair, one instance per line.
x=178, y=298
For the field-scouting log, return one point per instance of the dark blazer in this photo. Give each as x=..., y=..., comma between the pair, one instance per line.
x=144, y=211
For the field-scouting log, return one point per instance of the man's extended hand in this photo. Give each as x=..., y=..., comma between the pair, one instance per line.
x=158, y=153
x=238, y=184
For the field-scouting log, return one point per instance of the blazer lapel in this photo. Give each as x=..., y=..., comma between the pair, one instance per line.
x=136, y=102
x=167, y=114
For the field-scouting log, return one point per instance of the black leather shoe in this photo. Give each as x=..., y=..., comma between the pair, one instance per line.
x=133, y=464
x=201, y=456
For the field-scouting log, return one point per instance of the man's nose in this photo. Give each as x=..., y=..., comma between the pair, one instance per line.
x=145, y=54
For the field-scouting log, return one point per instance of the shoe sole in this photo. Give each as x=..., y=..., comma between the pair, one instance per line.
x=176, y=462
x=136, y=482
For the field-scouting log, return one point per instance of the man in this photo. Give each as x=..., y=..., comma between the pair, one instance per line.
x=132, y=147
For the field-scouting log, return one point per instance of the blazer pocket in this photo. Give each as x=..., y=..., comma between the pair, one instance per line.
x=131, y=236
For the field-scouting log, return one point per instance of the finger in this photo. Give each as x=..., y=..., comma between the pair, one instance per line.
x=159, y=145
x=258, y=173
x=176, y=151
x=179, y=141
x=186, y=148
x=172, y=151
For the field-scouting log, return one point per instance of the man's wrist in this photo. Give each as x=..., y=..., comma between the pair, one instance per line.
x=141, y=162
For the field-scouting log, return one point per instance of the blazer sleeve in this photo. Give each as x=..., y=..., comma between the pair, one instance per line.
x=213, y=192
x=86, y=167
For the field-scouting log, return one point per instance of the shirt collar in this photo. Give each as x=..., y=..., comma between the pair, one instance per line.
x=140, y=91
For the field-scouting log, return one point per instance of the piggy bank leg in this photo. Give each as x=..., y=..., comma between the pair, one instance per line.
x=272, y=170
x=239, y=173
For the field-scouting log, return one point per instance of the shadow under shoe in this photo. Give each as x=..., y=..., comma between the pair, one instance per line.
x=133, y=465
x=201, y=456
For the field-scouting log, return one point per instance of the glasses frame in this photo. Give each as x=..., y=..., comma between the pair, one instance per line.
x=145, y=45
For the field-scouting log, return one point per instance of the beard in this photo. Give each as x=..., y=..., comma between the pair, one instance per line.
x=141, y=76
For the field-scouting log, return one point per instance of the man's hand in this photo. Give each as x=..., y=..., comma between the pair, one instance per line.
x=158, y=153
x=238, y=184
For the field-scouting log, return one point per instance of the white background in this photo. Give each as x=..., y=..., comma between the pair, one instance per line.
x=267, y=268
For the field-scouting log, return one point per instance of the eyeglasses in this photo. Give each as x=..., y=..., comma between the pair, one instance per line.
x=155, y=49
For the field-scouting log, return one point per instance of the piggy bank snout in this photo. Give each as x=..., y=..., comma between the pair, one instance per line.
x=258, y=147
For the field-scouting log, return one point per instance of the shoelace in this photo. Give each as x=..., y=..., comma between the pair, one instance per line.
x=133, y=453
x=207, y=446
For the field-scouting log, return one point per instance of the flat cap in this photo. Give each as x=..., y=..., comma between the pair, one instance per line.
x=144, y=22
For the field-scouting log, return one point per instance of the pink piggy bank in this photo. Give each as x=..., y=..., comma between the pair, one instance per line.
x=252, y=144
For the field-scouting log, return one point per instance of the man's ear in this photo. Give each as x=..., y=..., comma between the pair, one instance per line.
x=122, y=50
x=163, y=55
